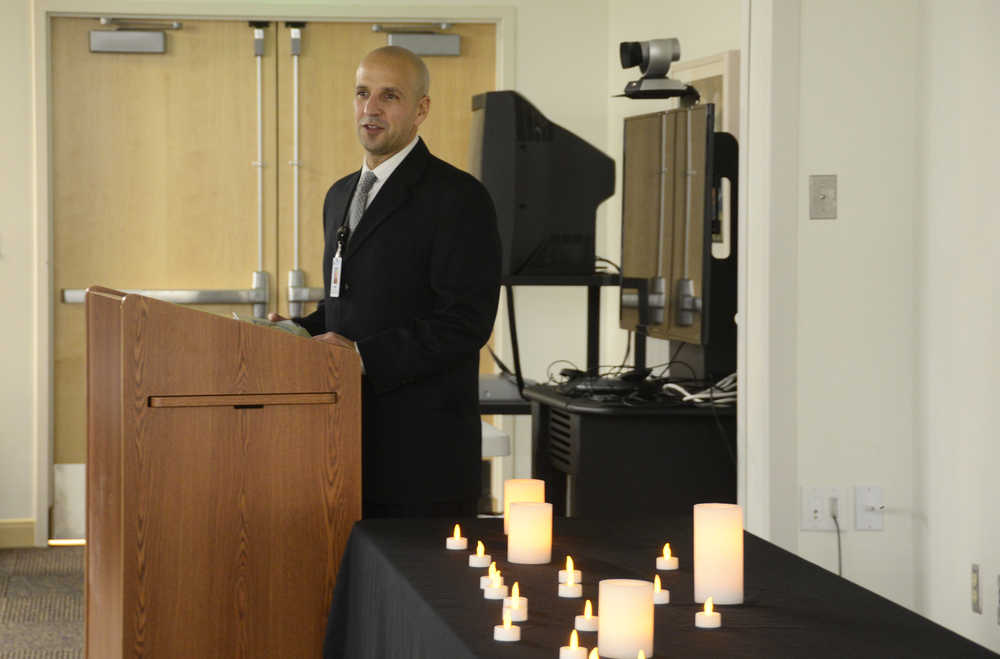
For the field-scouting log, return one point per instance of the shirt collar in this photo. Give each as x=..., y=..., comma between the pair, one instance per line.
x=384, y=170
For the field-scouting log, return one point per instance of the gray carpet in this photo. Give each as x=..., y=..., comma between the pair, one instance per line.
x=41, y=603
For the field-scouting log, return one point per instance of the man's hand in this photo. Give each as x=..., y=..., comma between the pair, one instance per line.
x=336, y=339
x=275, y=318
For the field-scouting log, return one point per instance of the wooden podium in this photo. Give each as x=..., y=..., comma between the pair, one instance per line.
x=223, y=478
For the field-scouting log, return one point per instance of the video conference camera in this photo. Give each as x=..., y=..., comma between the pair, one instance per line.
x=653, y=58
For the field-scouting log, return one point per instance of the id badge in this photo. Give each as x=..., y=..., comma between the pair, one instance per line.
x=335, y=275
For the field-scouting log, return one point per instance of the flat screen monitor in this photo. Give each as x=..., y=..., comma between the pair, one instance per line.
x=546, y=184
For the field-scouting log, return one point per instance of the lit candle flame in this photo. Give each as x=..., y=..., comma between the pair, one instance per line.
x=666, y=550
x=515, y=594
x=588, y=610
x=642, y=655
x=574, y=640
x=656, y=584
x=593, y=654
x=480, y=549
x=493, y=569
x=570, y=572
x=708, y=605
x=458, y=531
x=569, y=563
x=506, y=619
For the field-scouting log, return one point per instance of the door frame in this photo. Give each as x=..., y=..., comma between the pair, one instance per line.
x=44, y=296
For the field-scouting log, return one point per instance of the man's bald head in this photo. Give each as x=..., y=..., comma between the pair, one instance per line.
x=400, y=56
x=390, y=101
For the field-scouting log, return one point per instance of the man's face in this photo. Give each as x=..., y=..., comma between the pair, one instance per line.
x=388, y=107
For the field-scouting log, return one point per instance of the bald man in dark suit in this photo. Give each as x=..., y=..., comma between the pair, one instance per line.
x=412, y=273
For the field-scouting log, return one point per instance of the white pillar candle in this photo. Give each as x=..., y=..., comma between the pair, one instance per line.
x=484, y=581
x=480, y=558
x=573, y=650
x=456, y=541
x=709, y=618
x=495, y=590
x=506, y=632
x=660, y=596
x=517, y=605
x=530, y=539
x=718, y=552
x=666, y=561
x=564, y=574
x=588, y=621
x=626, y=622
x=531, y=490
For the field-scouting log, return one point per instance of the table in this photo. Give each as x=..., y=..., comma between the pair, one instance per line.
x=675, y=456
x=401, y=594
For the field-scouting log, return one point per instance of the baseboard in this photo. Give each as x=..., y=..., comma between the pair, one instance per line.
x=17, y=533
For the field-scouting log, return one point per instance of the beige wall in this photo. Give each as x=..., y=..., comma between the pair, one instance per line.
x=16, y=267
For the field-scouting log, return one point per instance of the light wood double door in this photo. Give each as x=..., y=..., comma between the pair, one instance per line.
x=154, y=185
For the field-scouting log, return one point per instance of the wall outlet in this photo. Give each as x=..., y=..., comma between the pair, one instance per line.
x=818, y=506
x=868, y=508
x=977, y=606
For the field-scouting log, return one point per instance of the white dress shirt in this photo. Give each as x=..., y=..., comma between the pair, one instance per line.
x=385, y=170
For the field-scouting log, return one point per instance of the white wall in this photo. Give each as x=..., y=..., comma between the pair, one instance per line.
x=856, y=295
x=891, y=308
x=16, y=267
x=956, y=354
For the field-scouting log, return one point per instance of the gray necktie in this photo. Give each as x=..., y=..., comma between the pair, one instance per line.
x=360, y=200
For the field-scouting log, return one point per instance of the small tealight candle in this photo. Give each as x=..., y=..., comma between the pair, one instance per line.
x=456, y=541
x=660, y=596
x=517, y=605
x=666, y=562
x=708, y=619
x=485, y=580
x=573, y=650
x=570, y=588
x=506, y=632
x=588, y=621
x=479, y=559
x=496, y=590
x=564, y=574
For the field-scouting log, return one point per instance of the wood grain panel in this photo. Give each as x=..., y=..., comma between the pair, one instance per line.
x=233, y=521
x=153, y=185
x=640, y=213
x=222, y=400
x=104, y=493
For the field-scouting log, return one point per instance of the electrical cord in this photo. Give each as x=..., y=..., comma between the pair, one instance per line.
x=836, y=523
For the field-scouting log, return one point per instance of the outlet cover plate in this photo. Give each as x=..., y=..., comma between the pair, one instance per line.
x=868, y=508
x=815, y=512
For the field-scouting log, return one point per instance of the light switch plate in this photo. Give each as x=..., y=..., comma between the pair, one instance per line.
x=823, y=197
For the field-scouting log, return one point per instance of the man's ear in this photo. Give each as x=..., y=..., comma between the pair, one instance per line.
x=423, y=108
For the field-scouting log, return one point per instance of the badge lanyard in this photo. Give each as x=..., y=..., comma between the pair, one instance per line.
x=337, y=265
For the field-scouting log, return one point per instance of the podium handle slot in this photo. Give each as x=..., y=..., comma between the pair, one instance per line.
x=244, y=401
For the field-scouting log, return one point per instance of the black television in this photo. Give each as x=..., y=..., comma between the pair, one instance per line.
x=546, y=184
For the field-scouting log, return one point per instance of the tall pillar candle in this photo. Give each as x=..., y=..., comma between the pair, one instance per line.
x=521, y=489
x=625, y=625
x=530, y=539
x=718, y=553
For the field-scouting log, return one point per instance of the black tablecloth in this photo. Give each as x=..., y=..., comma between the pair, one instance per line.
x=400, y=593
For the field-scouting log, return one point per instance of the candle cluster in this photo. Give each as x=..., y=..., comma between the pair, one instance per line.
x=626, y=627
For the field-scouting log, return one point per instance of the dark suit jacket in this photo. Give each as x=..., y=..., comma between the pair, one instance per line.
x=419, y=292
